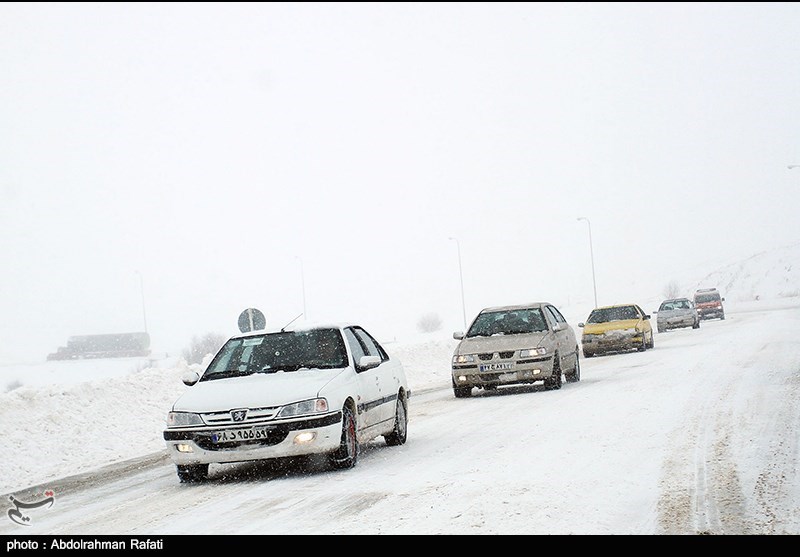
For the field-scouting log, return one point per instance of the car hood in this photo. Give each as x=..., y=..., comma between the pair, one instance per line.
x=600, y=328
x=254, y=391
x=499, y=343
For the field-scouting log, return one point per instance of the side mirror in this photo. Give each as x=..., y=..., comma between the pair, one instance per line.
x=458, y=335
x=189, y=378
x=580, y=325
x=368, y=362
x=647, y=317
x=723, y=299
x=559, y=327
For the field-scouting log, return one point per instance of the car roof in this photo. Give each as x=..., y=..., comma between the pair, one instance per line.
x=297, y=328
x=676, y=300
x=617, y=306
x=532, y=305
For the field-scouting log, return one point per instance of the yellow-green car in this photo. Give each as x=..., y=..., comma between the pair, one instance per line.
x=616, y=328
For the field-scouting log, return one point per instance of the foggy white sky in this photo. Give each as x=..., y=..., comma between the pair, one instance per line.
x=215, y=150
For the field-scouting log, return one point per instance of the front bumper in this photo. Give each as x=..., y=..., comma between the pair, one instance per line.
x=512, y=372
x=613, y=341
x=196, y=445
x=675, y=323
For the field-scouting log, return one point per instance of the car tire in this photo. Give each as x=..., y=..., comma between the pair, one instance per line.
x=553, y=382
x=643, y=346
x=346, y=456
x=462, y=391
x=661, y=329
x=192, y=473
x=587, y=354
x=575, y=376
x=696, y=324
x=400, y=431
x=652, y=343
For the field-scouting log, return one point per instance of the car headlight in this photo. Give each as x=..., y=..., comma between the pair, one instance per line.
x=464, y=359
x=311, y=406
x=532, y=352
x=183, y=419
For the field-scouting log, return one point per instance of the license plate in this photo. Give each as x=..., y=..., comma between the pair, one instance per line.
x=251, y=434
x=497, y=367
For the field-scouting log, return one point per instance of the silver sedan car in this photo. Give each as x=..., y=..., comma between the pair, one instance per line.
x=677, y=313
x=512, y=345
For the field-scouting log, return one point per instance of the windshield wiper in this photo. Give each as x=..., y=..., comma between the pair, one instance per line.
x=225, y=374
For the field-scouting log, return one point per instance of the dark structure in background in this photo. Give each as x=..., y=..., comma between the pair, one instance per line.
x=116, y=345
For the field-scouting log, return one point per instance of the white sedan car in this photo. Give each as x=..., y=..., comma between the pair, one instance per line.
x=312, y=390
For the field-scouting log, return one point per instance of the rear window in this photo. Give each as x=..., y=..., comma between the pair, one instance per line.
x=705, y=298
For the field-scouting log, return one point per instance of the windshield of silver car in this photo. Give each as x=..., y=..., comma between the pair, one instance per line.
x=508, y=322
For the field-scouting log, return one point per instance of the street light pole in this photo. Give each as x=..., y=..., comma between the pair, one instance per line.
x=461, y=276
x=591, y=254
x=303, y=286
x=141, y=290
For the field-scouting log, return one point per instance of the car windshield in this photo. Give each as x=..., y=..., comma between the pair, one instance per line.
x=603, y=315
x=508, y=322
x=674, y=304
x=705, y=298
x=276, y=352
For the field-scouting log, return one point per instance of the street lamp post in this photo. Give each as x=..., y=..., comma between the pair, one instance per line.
x=591, y=254
x=461, y=276
x=141, y=291
x=303, y=286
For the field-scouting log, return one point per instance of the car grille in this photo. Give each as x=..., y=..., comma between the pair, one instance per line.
x=504, y=355
x=254, y=415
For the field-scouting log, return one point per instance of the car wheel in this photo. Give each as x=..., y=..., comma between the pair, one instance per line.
x=462, y=392
x=661, y=329
x=652, y=342
x=575, y=376
x=696, y=324
x=554, y=382
x=722, y=317
x=192, y=473
x=400, y=430
x=643, y=346
x=346, y=455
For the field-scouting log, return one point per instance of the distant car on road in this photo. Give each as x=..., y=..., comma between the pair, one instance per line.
x=616, y=328
x=512, y=345
x=310, y=390
x=677, y=313
x=709, y=303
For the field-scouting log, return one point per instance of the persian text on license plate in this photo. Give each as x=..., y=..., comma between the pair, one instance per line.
x=497, y=367
x=251, y=434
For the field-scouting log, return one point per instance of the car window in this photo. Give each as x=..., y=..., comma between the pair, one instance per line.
x=554, y=317
x=604, y=315
x=557, y=314
x=372, y=346
x=356, y=347
x=508, y=322
x=278, y=352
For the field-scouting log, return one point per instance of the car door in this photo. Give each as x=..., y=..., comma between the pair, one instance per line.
x=646, y=326
x=564, y=336
x=388, y=379
x=370, y=398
